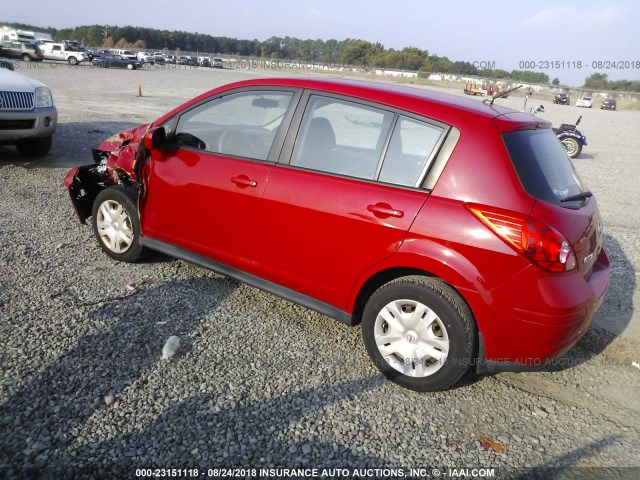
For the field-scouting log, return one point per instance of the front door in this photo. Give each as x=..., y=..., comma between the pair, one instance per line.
x=203, y=190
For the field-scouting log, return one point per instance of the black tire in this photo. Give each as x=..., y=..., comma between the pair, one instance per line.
x=72, y=61
x=130, y=66
x=37, y=147
x=449, y=321
x=26, y=57
x=119, y=204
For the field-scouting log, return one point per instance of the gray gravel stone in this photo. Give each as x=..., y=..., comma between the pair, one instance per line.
x=258, y=378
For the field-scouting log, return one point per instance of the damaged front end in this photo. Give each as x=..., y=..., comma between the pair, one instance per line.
x=117, y=161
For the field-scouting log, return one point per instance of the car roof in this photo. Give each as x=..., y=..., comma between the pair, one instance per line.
x=452, y=109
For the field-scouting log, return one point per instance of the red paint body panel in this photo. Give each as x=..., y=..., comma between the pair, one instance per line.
x=536, y=316
x=192, y=202
x=320, y=235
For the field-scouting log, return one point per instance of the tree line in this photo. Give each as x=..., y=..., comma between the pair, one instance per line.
x=598, y=81
x=353, y=52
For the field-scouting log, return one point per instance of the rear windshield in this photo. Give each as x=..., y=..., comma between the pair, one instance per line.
x=543, y=166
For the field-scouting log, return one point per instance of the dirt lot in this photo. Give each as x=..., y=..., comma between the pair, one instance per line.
x=259, y=382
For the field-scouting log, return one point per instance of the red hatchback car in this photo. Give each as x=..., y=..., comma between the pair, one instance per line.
x=456, y=232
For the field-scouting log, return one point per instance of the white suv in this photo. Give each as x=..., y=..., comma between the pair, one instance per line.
x=28, y=116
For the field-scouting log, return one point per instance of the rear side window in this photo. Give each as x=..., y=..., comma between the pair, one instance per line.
x=409, y=150
x=543, y=166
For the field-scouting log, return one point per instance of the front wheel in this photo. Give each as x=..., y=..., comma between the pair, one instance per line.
x=572, y=146
x=419, y=333
x=116, y=224
x=130, y=66
x=36, y=147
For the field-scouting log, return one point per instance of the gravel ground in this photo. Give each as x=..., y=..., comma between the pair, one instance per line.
x=257, y=381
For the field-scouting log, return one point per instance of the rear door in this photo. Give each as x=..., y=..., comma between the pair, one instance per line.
x=334, y=209
x=203, y=191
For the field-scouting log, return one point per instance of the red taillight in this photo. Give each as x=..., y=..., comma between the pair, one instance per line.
x=540, y=243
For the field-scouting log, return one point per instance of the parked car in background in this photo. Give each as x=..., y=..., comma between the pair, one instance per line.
x=29, y=52
x=171, y=59
x=609, y=104
x=67, y=51
x=116, y=61
x=585, y=102
x=146, y=58
x=128, y=54
x=562, y=99
x=160, y=58
x=28, y=116
x=185, y=60
x=363, y=201
x=204, y=62
x=97, y=53
x=217, y=63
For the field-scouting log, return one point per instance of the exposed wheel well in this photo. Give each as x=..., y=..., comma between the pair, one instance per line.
x=89, y=184
x=378, y=280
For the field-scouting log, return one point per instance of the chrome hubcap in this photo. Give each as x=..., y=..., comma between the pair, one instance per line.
x=569, y=146
x=411, y=338
x=114, y=226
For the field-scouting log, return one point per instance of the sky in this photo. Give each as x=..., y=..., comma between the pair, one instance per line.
x=573, y=35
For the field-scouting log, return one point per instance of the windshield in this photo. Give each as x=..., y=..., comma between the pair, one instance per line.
x=543, y=166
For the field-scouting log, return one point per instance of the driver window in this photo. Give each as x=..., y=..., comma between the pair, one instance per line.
x=240, y=125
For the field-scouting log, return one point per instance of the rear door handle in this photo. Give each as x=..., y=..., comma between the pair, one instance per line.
x=244, y=181
x=385, y=210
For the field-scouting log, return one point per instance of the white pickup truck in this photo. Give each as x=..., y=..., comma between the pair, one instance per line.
x=67, y=51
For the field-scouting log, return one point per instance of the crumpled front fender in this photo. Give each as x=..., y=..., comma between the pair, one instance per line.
x=117, y=161
x=123, y=153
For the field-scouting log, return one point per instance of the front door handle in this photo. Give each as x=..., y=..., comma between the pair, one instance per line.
x=244, y=181
x=385, y=210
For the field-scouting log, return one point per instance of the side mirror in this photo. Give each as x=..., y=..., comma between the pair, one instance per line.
x=155, y=138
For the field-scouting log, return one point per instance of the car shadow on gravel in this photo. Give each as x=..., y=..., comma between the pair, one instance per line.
x=72, y=144
x=123, y=345
x=245, y=436
x=566, y=466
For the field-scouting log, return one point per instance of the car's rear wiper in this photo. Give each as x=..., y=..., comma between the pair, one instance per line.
x=578, y=196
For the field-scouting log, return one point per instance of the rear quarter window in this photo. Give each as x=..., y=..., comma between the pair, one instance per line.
x=543, y=166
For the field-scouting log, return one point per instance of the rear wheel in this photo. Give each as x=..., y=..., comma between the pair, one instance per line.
x=72, y=61
x=26, y=57
x=572, y=146
x=419, y=333
x=116, y=225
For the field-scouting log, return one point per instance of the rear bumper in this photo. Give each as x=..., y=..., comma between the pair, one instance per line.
x=537, y=317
